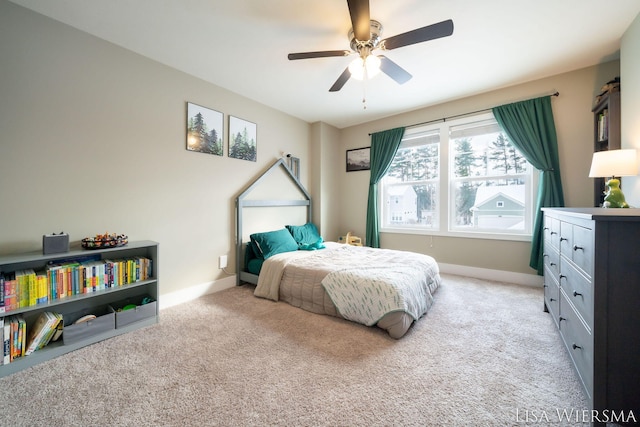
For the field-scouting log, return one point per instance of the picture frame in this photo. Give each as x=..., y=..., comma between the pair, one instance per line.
x=243, y=139
x=359, y=159
x=205, y=130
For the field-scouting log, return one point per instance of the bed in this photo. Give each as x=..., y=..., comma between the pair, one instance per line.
x=386, y=288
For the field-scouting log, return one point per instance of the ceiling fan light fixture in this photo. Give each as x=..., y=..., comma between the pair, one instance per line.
x=369, y=66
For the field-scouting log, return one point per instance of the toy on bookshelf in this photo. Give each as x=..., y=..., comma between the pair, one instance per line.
x=106, y=240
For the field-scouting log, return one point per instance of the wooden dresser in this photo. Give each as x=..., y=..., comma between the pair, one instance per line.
x=592, y=291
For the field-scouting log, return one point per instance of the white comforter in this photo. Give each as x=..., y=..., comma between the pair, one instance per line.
x=364, y=283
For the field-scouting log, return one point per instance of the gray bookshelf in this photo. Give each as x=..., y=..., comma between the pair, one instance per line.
x=83, y=302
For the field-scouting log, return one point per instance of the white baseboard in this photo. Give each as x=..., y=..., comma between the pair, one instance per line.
x=488, y=274
x=193, y=292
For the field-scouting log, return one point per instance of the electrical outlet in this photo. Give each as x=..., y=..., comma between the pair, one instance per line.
x=222, y=261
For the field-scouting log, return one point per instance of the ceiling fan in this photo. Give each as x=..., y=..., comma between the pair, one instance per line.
x=365, y=38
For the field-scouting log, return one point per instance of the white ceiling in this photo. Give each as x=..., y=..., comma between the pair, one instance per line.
x=242, y=45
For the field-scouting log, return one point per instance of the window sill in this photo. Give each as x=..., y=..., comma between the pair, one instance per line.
x=459, y=234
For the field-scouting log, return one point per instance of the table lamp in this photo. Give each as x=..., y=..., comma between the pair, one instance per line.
x=611, y=164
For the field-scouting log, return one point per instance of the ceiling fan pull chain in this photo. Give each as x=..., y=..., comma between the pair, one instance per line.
x=364, y=91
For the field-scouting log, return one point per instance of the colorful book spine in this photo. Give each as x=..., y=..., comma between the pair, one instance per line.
x=1, y=293
x=10, y=292
x=25, y=288
x=2, y=340
x=6, y=344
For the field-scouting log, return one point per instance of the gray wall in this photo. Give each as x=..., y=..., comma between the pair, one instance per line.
x=93, y=140
x=574, y=124
x=630, y=101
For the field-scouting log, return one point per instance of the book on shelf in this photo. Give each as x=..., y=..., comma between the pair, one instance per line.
x=6, y=343
x=64, y=278
x=57, y=332
x=41, y=329
x=2, y=340
x=17, y=336
x=54, y=325
x=20, y=340
x=1, y=293
x=603, y=126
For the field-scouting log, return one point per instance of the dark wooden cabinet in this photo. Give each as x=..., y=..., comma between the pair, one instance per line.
x=592, y=291
x=606, y=133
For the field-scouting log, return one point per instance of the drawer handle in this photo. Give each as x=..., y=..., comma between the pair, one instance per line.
x=554, y=232
x=562, y=276
x=576, y=346
x=560, y=319
x=553, y=264
x=562, y=239
x=545, y=228
x=576, y=293
x=576, y=247
x=552, y=299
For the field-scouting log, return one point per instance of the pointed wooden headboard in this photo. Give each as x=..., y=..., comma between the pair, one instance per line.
x=242, y=203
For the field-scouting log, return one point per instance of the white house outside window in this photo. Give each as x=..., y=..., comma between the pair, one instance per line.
x=460, y=177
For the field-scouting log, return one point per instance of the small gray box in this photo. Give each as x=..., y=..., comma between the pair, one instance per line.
x=55, y=243
x=140, y=312
x=104, y=321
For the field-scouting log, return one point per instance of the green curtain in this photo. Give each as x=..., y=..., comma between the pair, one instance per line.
x=530, y=127
x=384, y=146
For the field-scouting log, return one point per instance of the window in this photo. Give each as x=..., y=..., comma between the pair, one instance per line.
x=461, y=177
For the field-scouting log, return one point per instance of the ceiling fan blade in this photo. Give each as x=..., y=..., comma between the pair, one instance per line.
x=393, y=70
x=341, y=80
x=419, y=35
x=320, y=54
x=360, y=19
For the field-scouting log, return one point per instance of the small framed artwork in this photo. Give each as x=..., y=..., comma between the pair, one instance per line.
x=204, y=130
x=243, y=139
x=359, y=159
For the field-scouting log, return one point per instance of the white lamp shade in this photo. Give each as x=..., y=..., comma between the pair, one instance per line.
x=612, y=163
x=358, y=66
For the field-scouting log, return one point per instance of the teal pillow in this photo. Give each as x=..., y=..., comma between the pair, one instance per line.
x=272, y=243
x=304, y=234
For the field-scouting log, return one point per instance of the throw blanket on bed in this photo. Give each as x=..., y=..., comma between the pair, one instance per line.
x=367, y=295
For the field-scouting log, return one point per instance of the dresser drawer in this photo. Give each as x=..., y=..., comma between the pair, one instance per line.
x=551, y=232
x=577, y=244
x=582, y=249
x=552, y=261
x=578, y=341
x=578, y=289
x=551, y=295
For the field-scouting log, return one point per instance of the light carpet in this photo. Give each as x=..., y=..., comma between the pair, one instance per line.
x=485, y=354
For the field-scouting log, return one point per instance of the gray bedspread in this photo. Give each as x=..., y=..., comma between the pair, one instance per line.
x=297, y=278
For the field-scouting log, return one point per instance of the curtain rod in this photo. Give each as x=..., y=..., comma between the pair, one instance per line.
x=444, y=119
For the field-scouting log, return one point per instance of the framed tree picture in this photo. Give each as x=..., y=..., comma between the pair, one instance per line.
x=204, y=130
x=243, y=139
x=359, y=159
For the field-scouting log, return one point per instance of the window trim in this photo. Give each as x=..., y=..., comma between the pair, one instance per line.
x=446, y=188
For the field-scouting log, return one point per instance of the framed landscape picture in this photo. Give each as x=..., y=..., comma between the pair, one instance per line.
x=243, y=139
x=204, y=130
x=359, y=159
